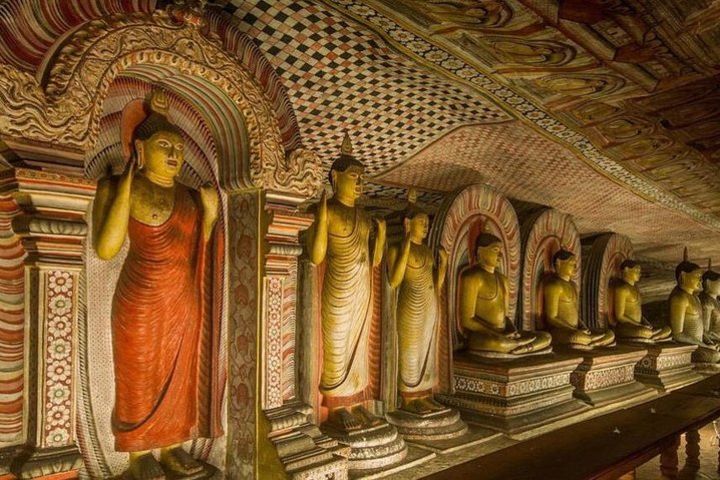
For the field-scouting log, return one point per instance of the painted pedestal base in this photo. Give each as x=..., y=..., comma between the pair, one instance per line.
x=377, y=447
x=667, y=367
x=305, y=452
x=606, y=378
x=440, y=432
x=704, y=368
x=59, y=461
x=520, y=397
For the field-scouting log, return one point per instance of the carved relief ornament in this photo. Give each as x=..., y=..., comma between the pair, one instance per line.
x=65, y=109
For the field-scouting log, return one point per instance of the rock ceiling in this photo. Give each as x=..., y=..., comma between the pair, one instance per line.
x=612, y=97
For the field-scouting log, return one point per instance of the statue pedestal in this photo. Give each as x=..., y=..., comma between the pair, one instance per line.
x=705, y=361
x=440, y=432
x=377, y=449
x=520, y=398
x=606, y=377
x=667, y=366
x=304, y=451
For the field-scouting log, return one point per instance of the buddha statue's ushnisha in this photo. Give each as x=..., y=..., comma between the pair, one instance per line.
x=562, y=310
x=340, y=237
x=159, y=309
x=483, y=306
x=629, y=322
x=413, y=270
x=686, y=312
x=710, y=304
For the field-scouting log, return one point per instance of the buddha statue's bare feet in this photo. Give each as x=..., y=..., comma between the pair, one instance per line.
x=145, y=467
x=344, y=420
x=369, y=420
x=433, y=404
x=417, y=405
x=179, y=462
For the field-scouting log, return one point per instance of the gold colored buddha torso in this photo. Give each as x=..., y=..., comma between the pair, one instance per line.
x=633, y=305
x=150, y=203
x=490, y=305
x=568, y=302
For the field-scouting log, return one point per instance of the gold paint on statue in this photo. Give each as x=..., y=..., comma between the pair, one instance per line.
x=483, y=306
x=710, y=303
x=686, y=315
x=413, y=270
x=561, y=307
x=627, y=306
x=340, y=237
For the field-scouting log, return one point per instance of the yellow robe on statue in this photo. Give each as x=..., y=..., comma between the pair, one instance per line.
x=346, y=315
x=417, y=312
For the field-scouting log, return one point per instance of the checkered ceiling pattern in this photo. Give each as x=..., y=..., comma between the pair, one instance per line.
x=340, y=77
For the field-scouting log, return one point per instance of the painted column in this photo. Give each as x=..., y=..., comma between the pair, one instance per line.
x=45, y=215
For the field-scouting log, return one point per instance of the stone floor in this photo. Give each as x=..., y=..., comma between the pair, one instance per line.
x=708, y=459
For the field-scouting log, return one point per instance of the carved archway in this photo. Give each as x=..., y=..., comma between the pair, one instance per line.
x=463, y=214
x=244, y=138
x=543, y=234
x=602, y=266
x=66, y=109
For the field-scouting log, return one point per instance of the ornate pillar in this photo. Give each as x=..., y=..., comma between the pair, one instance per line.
x=269, y=427
x=45, y=214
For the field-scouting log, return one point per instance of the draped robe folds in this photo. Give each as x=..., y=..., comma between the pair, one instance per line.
x=417, y=323
x=165, y=324
x=346, y=315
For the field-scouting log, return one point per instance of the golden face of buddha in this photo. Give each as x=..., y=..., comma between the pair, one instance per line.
x=566, y=268
x=490, y=255
x=712, y=287
x=162, y=153
x=349, y=183
x=418, y=226
x=691, y=281
x=632, y=274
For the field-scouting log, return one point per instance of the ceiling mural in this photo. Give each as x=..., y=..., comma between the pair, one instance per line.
x=627, y=94
x=639, y=81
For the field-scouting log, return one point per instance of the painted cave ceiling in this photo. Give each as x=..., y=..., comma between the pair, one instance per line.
x=605, y=109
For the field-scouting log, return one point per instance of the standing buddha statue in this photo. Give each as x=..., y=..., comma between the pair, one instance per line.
x=561, y=307
x=340, y=237
x=158, y=311
x=413, y=270
x=710, y=303
x=629, y=322
x=686, y=312
x=484, y=304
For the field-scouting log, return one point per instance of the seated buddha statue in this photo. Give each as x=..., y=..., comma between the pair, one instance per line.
x=686, y=313
x=484, y=305
x=630, y=325
x=561, y=308
x=710, y=304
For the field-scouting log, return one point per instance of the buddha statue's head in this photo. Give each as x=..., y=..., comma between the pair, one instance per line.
x=711, y=282
x=158, y=143
x=564, y=263
x=488, y=251
x=688, y=276
x=631, y=271
x=346, y=175
x=417, y=225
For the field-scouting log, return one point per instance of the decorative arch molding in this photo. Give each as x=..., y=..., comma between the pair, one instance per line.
x=543, y=234
x=68, y=110
x=602, y=266
x=463, y=215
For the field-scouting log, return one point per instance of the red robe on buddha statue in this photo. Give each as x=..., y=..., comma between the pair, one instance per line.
x=165, y=327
